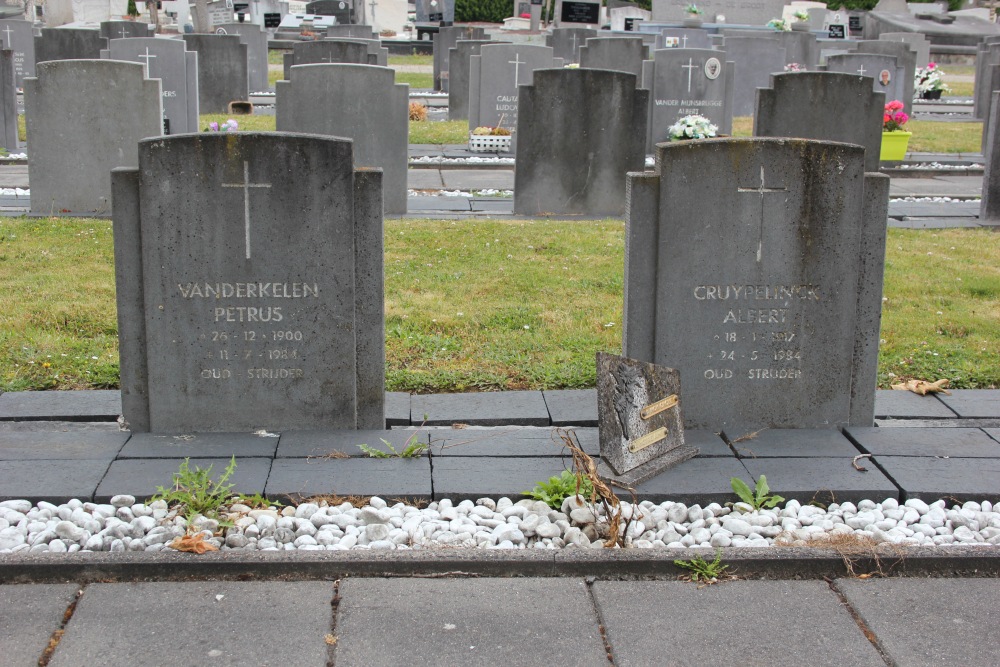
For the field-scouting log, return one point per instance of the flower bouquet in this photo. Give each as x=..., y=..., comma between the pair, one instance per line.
x=894, y=137
x=929, y=82
x=692, y=127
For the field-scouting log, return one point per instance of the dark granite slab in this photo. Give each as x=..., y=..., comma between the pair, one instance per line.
x=953, y=442
x=200, y=445
x=708, y=444
x=698, y=480
x=507, y=408
x=31, y=613
x=930, y=478
x=35, y=440
x=510, y=441
x=397, y=408
x=459, y=477
x=571, y=407
x=55, y=481
x=797, y=442
x=323, y=444
x=90, y=405
x=387, y=478
x=895, y=404
x=824, y=480
x=969, y=402
x=142, y=477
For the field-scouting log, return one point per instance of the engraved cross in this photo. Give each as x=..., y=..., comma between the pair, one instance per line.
x=372, y=5
x=124, y=33
x=246, y=185
x=684, y=41
x=690, y=67
x=861, y=70
x=761, y=190
x=517, y=62
x=149, y=65
x=7, y=31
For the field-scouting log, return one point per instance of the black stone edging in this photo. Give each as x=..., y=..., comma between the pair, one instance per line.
x=746, y=563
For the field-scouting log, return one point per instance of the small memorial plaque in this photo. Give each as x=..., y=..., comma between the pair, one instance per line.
x=580, y=12
x=854, y=22
x=272, y=20
x=837, y=31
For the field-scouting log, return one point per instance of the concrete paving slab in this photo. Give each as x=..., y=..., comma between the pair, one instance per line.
x=397, y=408
x=697, y=480
x=954, y=209
x=459, y=478
x=506, y=408
x=54, y=481
x=29, y=614
x=993, y=433
x=478, y=179
x=162, y=623
x=201, y=445
x=422, y=204
x=494, y=205
x=928, y=621
x=516, y=441
x=709, y=444
x=305, y=444
x=424, y=179
x=36, y=440
x=571, y=407
x=488, y=622
x=824, y=480
x=142, y=477
x=951, y=442
x=907, y=405
x=935, y=223
x=388, y=478
x=798, y=442
x=680, y=623
x=935, y=187
x=90, y=405
x=930, y=478
x=970, y=402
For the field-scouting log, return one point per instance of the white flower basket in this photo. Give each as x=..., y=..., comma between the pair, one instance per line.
x=488, y=143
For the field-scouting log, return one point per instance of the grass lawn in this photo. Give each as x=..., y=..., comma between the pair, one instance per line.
x=412, y=60
x=416, y=79
x=488, y=304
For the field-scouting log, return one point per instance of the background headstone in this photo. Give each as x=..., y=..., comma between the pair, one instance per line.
x=624, y=54
x=360, y=102
x=255, y=38
x=989, y=207
x=755, y=60
x=388, y=15
x=435, y=11
x=84, y=118
x=906, y=58
x=917, y=42
x=124, y=29
x=352, y=31
x=623, y=19
x=222, y=71
x=747, y=13
x=68, y=44
x=342, y=10
x=444, y=40
x=567, y=42
x=987, y=78
x=252, y=297
x=458, y=76
x=494, y=77
x=874, y=66
x=328, y=51
x=683, y=38
x=19, y=37
x=8, y=102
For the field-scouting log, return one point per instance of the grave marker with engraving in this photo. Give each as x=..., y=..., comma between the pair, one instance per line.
x=223, y=76
x=255, y=38
x=19, y=37
x=494, y=77
x=567, y=42
x=69, y=44
x=444, y=40
x=886, y=75
x=624, y=54
x=458, y=76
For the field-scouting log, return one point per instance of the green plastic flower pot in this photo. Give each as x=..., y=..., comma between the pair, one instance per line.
x=894, y=146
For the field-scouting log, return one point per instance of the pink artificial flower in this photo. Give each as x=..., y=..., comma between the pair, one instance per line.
x=931, y=65
x=901, y=118
x=886, y=118
x=894, y=105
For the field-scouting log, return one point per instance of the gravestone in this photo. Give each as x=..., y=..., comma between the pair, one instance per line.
x=800, y=47
x=75, y=146
x=683, y=38
x=567, y=42
x=377, y=54
x=353, y=31
x=328, y=51
x=917, y=42
x=441, y=12
x=757, y=12
x=68, y=44
x=578, y=167
x=458, y=76
x=887, y=76
x=570, y=13
x=755, y=59
x=342, y=10
x=252, y=297
x=125, y=29
x=494, y=77
x=444, y=41
x=8, y=101
x=760, y=280
x=360, y=102
x=826, y=106
x=641, y=428
x=388, y=16
x=683, y=82
x=906, y=57
x=255, y=38
x=987, y=78
x=222, y=71
x=989, y=206
x=624, y=54
x=623, y=19
x=177, y=69
x=19, y=37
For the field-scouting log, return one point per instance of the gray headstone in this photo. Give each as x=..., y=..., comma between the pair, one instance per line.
x=683, y=82
x=19, y=37
x=342, y=9
x=222, y=71
x=683, y=38
x=377, y=54
x=747, y=13
x=756, y=59
x=579, y=167
x=360, y=102
x=827, y=106
x=255, y=37
x=886, y=75
x=253, y=299
x=125, y=29
x=8, y=101
x=69, y=44
x=917, y=42
x=494, y=77
x=73, y=152
x=800, y=47
x=444, y=40
x=351, y=30
x=987, y=78
x=759, y=280
x=567, y=42
x=989, y=207
x=329, y=52
x=623, y=54
x=458, y=76
x=177, y=69
x=906, y=57
x=435, y=11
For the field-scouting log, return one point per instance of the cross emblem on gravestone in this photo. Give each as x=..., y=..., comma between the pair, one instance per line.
x=689, y=67
x=124, y=33
x=517, y=62
x=372, y=5
x=572, y=41
x=684, y=41
x=761, y=190
x=246, y=185
x=149, y=65
x=861, y=70
x=7, y=31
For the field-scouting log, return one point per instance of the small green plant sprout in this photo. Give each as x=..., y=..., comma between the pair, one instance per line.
x=194, y=491
x=560, y=487
x=413, y=449
x=759, y=497
x=702, y=570
x=694, y=10
x=255, y=501
x=801, y=15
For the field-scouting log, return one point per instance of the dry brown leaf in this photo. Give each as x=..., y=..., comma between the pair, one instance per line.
x=923, y=387
x=194, y=543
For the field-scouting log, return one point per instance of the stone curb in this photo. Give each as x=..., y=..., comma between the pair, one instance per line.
x=753, y=563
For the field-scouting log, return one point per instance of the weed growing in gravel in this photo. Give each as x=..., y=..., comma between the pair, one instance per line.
x=413, y=449
x=702, y=570
x=256, y=501
x=560, y=487
x=194, y=491
x=759, y=497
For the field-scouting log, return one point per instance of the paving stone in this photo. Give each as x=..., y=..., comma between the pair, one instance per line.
x=897, y=404
x=825, y=480
x=506, y=408
x=571, y=407
x=969, y=402
x=942, y=617
x=709, y=444
x=420, y=203
x=930, y=478
x=60, y=440
x=201, y=445
x=953, y=442
x=478, y=179
x=288, y=619
x=798, y=442
x=397, y=408
x=934, y=223
x=517, y=441
x=388, y=478
x=698, y=480
x=953, y=209
x=424, y=179
x=142, y=477
x=460, y=477
x=666, y=622
x=304, y=444
x=29, y=614
x=455, y=622
x=494, y=205
x=51, y=480
x=90, y=405
x=993, y=433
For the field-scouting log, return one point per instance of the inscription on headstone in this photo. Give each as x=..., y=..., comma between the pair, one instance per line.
x=19, y=38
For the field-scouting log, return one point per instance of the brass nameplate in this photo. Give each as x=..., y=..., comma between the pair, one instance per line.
x=649, y=439
x=658, y=407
